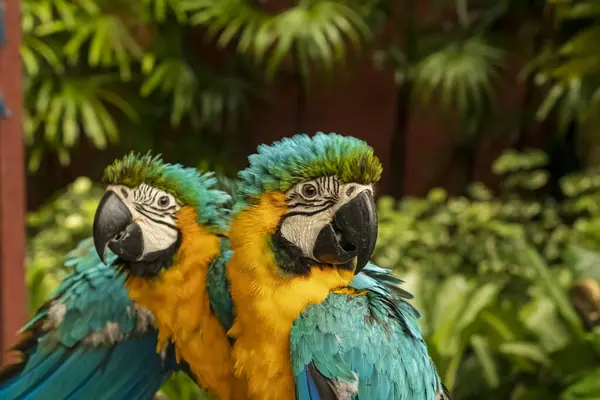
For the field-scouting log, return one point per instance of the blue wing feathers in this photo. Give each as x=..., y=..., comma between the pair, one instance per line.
x=140, y=366
x=312, y=385
x=368, y=344
x=65, y=361
x=303, y=386
x=312, y=388
x=217, y=287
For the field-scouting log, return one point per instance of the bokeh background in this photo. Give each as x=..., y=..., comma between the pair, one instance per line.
x=486, y=114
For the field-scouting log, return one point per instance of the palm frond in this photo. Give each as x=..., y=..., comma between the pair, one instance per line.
x=160, y=9
x=207, y=97
x=35, y=52
x=110, y=43
x=315, y=32
x=64, y=110
x=571, y=69
x=463, y=74
x=80, y=55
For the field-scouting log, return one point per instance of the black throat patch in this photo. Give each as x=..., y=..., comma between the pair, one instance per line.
x=290, y=257
x=154, y=263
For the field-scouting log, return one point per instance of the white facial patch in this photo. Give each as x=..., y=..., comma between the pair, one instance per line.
x=312, y=205
x=155, y=211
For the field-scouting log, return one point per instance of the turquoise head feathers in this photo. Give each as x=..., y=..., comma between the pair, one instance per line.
x=188, y=185
x=285, y=163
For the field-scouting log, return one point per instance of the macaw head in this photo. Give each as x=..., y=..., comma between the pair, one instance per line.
x=139, y=217
x=322, y=188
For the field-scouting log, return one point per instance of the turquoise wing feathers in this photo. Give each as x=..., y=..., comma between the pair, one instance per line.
x=75, y=347
x=217, y=287
x=365, y=347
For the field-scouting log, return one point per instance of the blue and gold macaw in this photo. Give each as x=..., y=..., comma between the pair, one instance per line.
x=314, y=319
x=78, y=342
x=106, y=335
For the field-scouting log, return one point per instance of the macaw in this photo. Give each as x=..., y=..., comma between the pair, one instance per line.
x=308, y=323
x=110, y=335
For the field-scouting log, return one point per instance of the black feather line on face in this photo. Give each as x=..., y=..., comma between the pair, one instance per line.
x=288, y=255
x=149, y=268
x=290, y=258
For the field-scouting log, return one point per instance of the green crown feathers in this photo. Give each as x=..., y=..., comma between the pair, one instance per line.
x=188, y=185
x=285, y=163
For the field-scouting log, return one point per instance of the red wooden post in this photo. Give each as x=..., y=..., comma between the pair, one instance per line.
x=12, y=183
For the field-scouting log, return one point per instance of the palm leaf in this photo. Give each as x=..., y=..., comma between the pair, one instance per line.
x=315, y=32
x=463, y=74
x=70, y=107
x=204, y=95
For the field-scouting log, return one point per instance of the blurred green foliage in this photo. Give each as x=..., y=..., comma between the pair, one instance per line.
x=107, y=69
x=570, y=64
x=98, y=68
x=53, y=231
x=491, y=273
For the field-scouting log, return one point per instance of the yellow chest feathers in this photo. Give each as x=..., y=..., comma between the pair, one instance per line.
x=181, y=308
x=267, y=302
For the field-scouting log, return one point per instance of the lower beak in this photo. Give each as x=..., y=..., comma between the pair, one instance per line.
x=114, y=228
x=352, y=234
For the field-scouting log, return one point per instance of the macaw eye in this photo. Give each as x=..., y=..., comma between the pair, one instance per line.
x=164, y=201
x=309, y=191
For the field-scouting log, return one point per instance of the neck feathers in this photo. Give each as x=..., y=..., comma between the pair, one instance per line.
x=179, y=302
x=267, y=301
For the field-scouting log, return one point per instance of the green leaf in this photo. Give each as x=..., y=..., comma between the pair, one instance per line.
x=463, y=74
x=92, y=125
x=540, y=317
x=70, y=129
x=526, y=393
x=529, y=351
x=485, y=357
x=74, y=44
x=583, y=42
x=314, y=32
x=575, y=360
x=587, y=388
x=529, y=256
x=481, y=298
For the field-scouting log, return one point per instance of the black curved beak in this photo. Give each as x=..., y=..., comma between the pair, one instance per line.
x=352, y=234
x=114, y=228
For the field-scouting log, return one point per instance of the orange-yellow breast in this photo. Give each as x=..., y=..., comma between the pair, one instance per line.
x=267, y=302
x=182, y=313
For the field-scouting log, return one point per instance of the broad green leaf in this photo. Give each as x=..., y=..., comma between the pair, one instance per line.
x=531, y=257
x=485, y=357
x=529, y=351
x=70, y=128
x=587, y=388
x=540, y=317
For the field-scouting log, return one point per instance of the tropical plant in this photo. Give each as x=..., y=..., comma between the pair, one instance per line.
x=97, y=68
x=53, y=231
x=315, y=34
x=491, y=275
x=568, y=69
